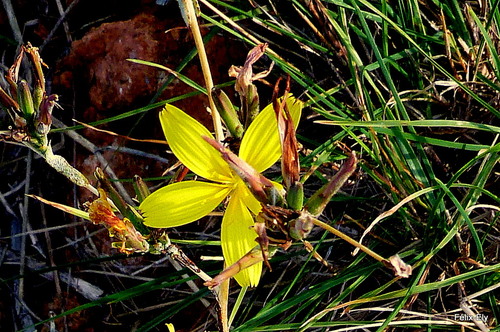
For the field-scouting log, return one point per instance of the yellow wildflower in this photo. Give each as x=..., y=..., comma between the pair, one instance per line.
x=184, y=202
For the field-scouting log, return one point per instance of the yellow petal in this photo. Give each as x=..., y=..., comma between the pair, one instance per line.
x=260, y=146
x=181, y=203
x=184, y=135
x=249, y=199
x=238, y=238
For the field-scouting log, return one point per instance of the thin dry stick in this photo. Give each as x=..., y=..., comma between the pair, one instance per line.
x=9, y=210
x=7, y=4
x=24, y=229
x=188, y=7
x=179, y=260
x=190, y=283
x=50, y=250
x=61, y=20
x=81, y=286
x=63, y=15
x=21, y=310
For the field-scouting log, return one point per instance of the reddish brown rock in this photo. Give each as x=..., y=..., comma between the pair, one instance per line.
x=98, y=65
x=100, y=60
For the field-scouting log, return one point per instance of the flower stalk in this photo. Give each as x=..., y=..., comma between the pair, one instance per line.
x=189, y=13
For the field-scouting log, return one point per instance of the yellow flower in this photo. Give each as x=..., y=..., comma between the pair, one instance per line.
x=184, y=202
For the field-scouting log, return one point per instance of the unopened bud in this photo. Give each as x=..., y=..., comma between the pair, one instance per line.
x=25, y=100
x=317, y=202
x=141, y=189
x=228, y=113
x=38, y=94
x=295, y=196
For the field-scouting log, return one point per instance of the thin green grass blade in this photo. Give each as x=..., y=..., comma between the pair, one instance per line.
x=430, y=58
x=428, y=287
x=454, y=179
x=415, y=280
x=417, y=123
x=237, y=305
x=183, y=78
x=493, y=51
x=345, y=293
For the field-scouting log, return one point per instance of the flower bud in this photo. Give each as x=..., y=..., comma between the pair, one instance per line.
x=44, y=116
x=227, y=113
x=317, y=202
x=295, y=196
x=141, y=189
x=25, y=100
